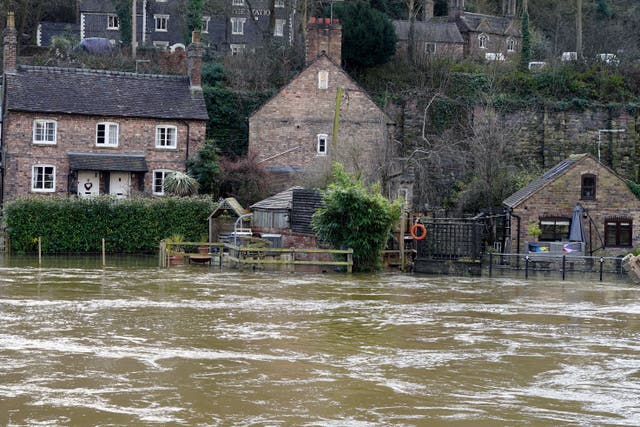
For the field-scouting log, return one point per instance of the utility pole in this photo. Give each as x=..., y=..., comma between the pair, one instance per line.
x=133, y=30
x=579, y=28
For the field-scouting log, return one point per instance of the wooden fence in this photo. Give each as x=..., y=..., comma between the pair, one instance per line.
x=244, y=256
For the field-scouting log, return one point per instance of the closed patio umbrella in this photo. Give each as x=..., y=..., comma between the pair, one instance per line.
x=576, y=232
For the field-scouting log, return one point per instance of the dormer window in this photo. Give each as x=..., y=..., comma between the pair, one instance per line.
x=511, y=44
x=323, y=79
x=588, y=187
x=483, y=41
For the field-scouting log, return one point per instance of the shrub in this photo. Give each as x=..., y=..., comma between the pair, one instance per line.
x=78, y=225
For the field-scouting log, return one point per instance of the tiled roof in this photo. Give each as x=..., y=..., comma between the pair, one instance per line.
x=103, y=93
x=430, y=31
x=524, y=193
x=282, y=200
x=107, y=162
x=498, y=24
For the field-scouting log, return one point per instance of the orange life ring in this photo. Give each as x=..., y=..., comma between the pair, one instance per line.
x=416, y=227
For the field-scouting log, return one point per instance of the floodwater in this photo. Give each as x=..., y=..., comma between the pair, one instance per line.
x=137, y=345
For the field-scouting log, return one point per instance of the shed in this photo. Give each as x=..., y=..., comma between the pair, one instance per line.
x=224, y=216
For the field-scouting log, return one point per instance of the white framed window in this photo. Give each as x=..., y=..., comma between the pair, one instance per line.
x=161, y=45
x=483, y=41
x=157, y=186
x=166, y=136
x=113, y=23
x=205, y=24
x=237, y=25
x=278, y=31
x=162, y=22
x=107, y=134
x=237, y=49
x=44, y=132
x=43, y=178
x=279, y=3
x=323, y=79
x=237, y=2
x=321, y=147
x=511, y=44
x=429, y=48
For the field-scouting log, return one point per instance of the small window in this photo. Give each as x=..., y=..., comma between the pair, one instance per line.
x=429, y=48
x=554, y=229
x=43, y=178
x=237, y=25
x=236, y=49
x=237, y=2
x=205, y=24
x=618, y=232
x=166, y=137
x=158, y=181
x=588, y=188
x=107, y=135
x=323, y=79
x=162, y=22
x=322, y=144
x=278, y=31
x=511, y=44
x=44, y=132
x=113, y=23
x=279, y=3
x=483, y=40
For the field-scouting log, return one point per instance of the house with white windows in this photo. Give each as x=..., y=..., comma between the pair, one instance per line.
x=89, y=132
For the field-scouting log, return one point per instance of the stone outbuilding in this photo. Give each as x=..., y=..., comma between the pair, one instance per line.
x=610, y=210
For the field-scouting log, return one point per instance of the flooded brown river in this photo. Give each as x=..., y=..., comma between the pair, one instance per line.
x=137, y=345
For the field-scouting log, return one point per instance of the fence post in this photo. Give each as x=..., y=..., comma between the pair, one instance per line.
x=601, y=267
x=526, y=267
x=350, y=261
x=39, y=251
x=104, y=258
x=564, y=266
x=490, y=263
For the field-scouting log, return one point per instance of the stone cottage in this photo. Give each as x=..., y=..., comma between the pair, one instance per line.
x=89, y=132
x=610, y=211
x=320, y=117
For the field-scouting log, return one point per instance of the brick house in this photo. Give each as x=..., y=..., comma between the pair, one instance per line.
x=320, y=117
x=463, y=34
x=611, y=212
x=89, y=132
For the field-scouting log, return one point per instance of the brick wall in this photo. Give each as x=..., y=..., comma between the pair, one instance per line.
x=78, y=133
x=283, y=132
x=559, y=198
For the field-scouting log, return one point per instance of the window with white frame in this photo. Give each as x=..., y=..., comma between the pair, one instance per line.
x=483, y=41
x=161, y=45
x=236, y=49
x=511, y=44
x=205, y=24
x=166, y=136
x=279, y=3
x=237, y=2
x=107, y=134
x=44, y=131
x=162, y=22
x=158, y=181
x=322, y=139
x=113, y=23
x=237, y=25
x=43, y=178
x=323, y=79
x=278, y=30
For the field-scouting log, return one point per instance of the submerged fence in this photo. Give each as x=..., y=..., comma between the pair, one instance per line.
x=560, y=265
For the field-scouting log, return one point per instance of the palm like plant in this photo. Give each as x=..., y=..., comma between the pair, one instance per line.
x=180, y=184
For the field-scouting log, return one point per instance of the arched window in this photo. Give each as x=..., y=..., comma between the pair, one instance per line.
x=483, y=40
x=511, y=44
x=588, y=187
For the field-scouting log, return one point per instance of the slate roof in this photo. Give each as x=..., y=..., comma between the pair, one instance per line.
x=431, y=31
x=549, y=176
x=229, y=204
x=107, y=162
x=282, y=200
x=103, y=93
x=498, y=24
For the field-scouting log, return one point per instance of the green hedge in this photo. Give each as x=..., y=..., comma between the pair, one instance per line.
x=78, y=225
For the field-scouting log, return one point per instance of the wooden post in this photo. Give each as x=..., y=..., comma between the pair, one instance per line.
x=350, y=261
x=39, y=251
x=104, y=258
x=403, y=219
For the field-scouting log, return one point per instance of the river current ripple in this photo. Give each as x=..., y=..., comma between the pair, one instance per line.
x=193, y=346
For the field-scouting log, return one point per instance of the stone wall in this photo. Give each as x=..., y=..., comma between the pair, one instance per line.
x=78, y=134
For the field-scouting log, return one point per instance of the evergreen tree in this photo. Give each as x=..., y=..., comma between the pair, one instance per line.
x=193, y=18
x=123, y=10
x=525, y=55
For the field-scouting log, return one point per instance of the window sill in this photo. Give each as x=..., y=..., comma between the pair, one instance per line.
x=165, y=148
x=44, y=143
x=52, y=190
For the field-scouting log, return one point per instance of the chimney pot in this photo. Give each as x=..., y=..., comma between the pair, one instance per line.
x=312, y=20
x=11, y=20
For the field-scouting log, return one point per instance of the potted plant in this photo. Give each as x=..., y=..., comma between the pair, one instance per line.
x=176, y=251
x=203, y=249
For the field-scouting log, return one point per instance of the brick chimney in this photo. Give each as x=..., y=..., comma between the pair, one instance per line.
x=195, y=51
x=456, y=9
x=324, y=36
x=10, y=45
x=427, y=10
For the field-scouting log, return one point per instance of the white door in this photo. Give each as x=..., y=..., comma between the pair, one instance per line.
x=120, y=184
x=88, y=183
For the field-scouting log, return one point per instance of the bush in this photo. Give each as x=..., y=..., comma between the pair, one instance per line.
x=78, y=225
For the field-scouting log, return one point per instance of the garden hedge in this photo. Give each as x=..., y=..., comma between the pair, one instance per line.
x=71, y=225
